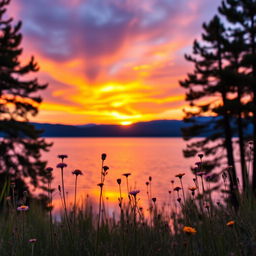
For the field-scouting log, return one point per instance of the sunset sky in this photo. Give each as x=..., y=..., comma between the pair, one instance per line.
x=111, y=61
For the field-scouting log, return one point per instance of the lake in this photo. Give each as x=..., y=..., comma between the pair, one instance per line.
x=160, y=158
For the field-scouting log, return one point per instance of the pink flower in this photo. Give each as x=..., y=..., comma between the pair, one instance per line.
x=32, y=240
x=23, y=208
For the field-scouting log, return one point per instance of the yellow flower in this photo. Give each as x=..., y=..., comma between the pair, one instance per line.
x=189, y=230
x=230, y=223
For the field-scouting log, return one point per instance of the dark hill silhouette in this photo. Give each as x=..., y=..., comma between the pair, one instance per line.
x=159, y=128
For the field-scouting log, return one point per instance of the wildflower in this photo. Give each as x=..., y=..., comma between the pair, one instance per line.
x=212, y=177
x=105, y=170
x=150, y=178
x=230, y=223
x=192, y=189
x=126, y=174
x=32, y=240
x=198, y=164
x=49, y=169
x=61, y=165
x=179, y=199
x=147, y=183
x=77, y=172
x=177, y=189
x=194, y=169
x=250, y=143
x=230, y=167
x=201, y=174
x=200, y=156
x=169, y=191
x=224, y=175
x=118, y=181
x=154, y=199
x=172, y=181
x=62, y=157
x=103, y=156
x=100, y=185
x=207, y=206
x=180, y=175
x=134, y=192
x=23, y=208
x=189, y=230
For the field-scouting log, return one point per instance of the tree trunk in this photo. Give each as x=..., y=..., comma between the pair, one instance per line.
x=254, y=105
x=228, y=136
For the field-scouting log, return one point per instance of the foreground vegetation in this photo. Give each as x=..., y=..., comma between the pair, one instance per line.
x=195, y=224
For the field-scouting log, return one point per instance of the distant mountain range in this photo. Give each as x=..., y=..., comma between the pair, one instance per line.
x=159, y=128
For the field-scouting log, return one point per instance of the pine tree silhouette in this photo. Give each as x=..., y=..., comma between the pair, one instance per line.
x=20, y=144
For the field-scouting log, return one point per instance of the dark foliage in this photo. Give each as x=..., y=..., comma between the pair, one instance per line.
x=20, y=145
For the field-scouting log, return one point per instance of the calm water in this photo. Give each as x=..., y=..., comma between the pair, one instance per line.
x=160, y=158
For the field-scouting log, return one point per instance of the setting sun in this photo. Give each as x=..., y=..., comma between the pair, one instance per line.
x=125, y=123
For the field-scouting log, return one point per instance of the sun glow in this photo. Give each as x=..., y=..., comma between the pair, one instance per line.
x=125, y=123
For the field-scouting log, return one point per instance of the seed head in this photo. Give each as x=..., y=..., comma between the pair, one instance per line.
x=126, y=174
x=119, y=181
x=103, y=156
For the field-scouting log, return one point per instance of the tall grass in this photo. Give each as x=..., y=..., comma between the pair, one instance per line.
x=197, y=226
